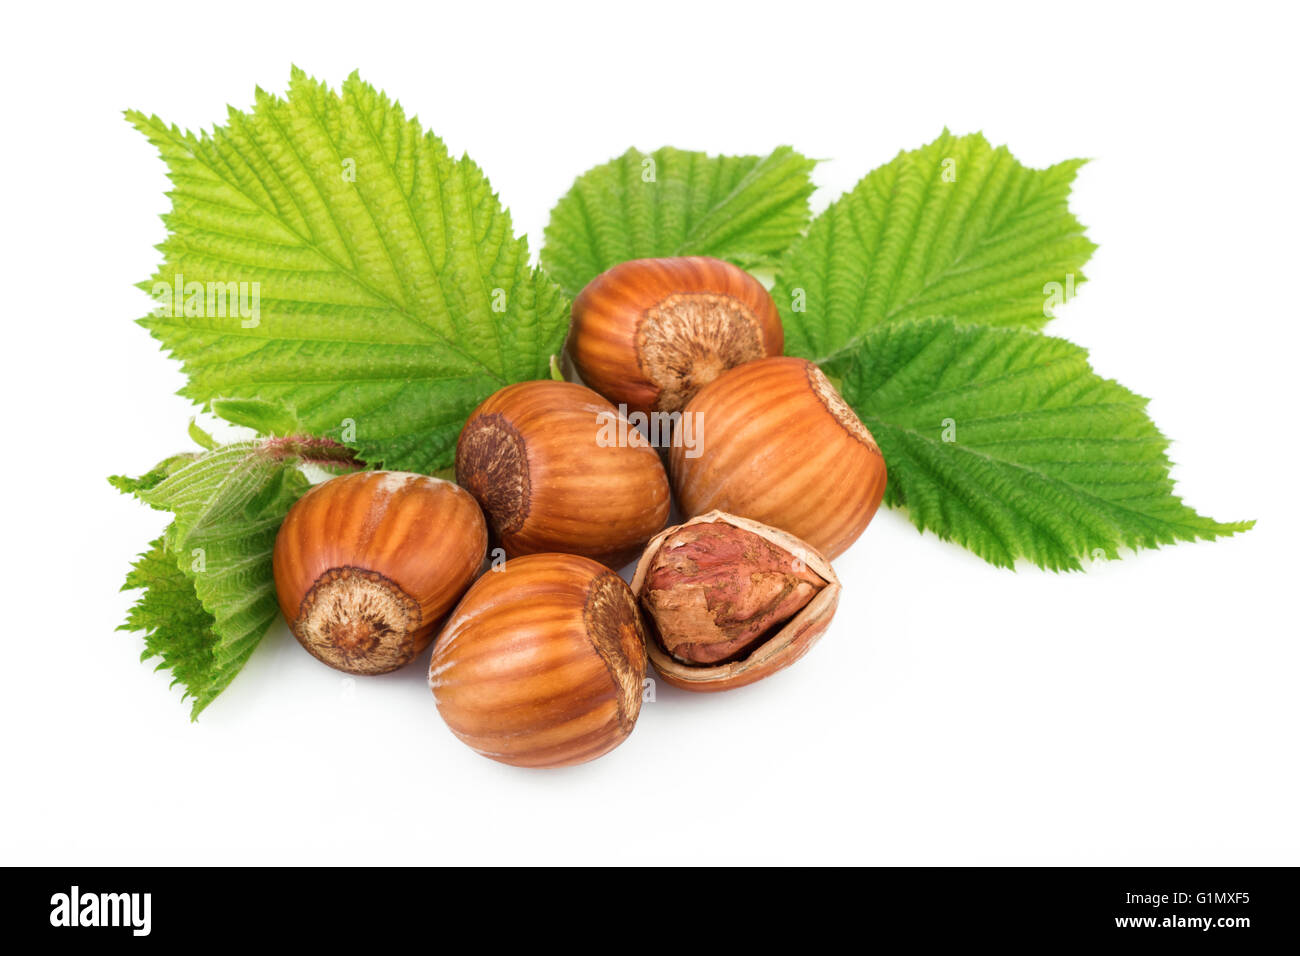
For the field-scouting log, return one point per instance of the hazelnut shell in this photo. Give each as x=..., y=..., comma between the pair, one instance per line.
x=649, y=333
x=777, y=443
x=367, y=565
x=555, y=467
x=794, y=638
x=542, y=662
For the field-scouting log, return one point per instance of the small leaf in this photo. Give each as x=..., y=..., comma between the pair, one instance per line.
x=265, y=418
x=956, y=228
x=210, y=595
x=745, y=209
x=177, y=629
x=1007, y=442
x=152, y=477
x=201, y=437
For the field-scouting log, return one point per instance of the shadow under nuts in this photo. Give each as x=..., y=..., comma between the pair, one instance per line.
x=366, y=566
x=542, y=663
x=556, y=468
x=729, y=601
x=777, y=443
x=650, y=333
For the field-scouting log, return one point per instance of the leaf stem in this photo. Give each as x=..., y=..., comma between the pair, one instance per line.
x=313, y=450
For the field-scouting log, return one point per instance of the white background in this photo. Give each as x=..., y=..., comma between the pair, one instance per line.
x=1144, y=712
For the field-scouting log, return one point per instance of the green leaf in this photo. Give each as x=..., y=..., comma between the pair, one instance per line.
x=177, y=629
x=956, y=228
x=152, y=477
x=201, y=437
x=210, y=595
x=745, y=209
x=265, y=418
x=334, y=259
x=1007, y=442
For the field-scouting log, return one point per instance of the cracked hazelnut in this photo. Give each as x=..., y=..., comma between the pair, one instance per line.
x=556, y=468
x=366, y=566
x=650, y=333
x=777, y=443
x=730, y=601
x=541, y=663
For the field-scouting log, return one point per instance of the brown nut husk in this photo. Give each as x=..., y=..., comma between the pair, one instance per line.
x=546, y=462
x=367, y=565
x=650, y=333
x=729, y=601
x=542, y=662
x=777, y=443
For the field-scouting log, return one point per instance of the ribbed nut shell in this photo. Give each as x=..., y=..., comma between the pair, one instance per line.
x=556, y=468
x=367, y=565
x=792, y=641
x=777, y=443
x=542, y=662
x=650, y=333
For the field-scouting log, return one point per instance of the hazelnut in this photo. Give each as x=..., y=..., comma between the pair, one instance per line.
x=366, y=565
x=557, y=468
x=730, y=601
x=541, y=663
x=650, y=333
x=777, y=443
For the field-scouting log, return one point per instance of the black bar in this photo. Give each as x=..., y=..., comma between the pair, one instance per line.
x=1231, y=907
